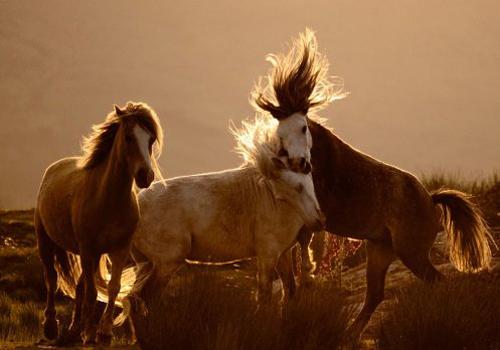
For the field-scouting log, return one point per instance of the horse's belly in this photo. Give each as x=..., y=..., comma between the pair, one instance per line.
x=221, y=247
x=60, y=231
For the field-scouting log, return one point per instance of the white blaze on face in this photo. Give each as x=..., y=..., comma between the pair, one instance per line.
x=291, y=131
x=142, y=136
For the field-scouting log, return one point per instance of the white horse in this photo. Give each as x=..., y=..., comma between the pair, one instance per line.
x=255, y=210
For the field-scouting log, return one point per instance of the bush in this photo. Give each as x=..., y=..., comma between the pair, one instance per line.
x=204, y=312
x=458, y=313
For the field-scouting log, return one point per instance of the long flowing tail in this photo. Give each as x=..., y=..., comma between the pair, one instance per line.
x=68, y=269
x=133, y=279
x=467, y=230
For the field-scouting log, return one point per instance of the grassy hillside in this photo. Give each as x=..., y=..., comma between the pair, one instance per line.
x=229, y=308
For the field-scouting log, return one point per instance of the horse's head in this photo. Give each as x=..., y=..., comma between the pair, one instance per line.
x=296, y=143
x=139, y=131
x=297, y=85
x=303, y=188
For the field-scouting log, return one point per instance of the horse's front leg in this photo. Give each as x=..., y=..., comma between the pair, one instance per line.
x=307, y=266
x=266, y=271
x=118, y=261
x=89, y=266
x=285, y=271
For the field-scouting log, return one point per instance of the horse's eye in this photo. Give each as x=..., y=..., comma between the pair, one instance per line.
x=304, y=129
x=283, y=153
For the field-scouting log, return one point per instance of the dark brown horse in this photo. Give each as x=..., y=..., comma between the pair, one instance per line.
x=366, y=199
x=88, y=206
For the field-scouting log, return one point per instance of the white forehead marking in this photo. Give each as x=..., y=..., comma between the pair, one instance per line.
x=142, y=136
x=293, y=123
x=297, y=143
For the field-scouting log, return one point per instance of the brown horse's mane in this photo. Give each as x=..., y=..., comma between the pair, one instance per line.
x=298, y=81
x=98, y=144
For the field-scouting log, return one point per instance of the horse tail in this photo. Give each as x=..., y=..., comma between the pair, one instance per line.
x=68, y=269
x=133, y=280
x=468, y=232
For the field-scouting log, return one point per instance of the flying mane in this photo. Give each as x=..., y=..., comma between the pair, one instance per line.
x=298, y=81
x=98, y=144
x=257, y=143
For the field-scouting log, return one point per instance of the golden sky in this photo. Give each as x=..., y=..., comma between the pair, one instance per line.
x=424, y=78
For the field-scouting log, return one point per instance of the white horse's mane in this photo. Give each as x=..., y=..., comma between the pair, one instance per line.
x=257, y=143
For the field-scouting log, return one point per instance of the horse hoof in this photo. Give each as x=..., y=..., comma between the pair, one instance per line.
x=89, y=342
x=104, y=339
x=50, y=330
x=68, y=338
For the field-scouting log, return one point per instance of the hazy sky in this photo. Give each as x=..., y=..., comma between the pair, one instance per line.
x=424, y=78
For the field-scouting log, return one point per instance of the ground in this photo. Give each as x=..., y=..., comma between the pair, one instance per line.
x=22, y=289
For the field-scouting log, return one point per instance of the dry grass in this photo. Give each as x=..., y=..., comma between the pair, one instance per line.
x=207, y=313
x=458, y=313
x=19, y=321
x=475, y=187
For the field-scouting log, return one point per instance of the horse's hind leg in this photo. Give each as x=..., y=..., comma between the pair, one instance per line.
x=420, y=264
x=378, y=258
x=413, y=247
x=46, y=249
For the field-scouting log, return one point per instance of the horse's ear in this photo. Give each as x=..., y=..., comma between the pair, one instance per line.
x=278, y=163
x=118, y=110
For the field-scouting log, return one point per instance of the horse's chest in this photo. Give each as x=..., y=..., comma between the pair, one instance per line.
x=106, y=233
x=114, y=237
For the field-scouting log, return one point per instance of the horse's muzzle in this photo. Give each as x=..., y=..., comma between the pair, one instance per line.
x=319, y=223
x=144, y=177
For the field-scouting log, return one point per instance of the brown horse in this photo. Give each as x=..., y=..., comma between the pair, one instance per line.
x=87, y=206
x=366, y=199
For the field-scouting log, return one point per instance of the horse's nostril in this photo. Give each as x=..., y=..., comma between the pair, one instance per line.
x=302, y=162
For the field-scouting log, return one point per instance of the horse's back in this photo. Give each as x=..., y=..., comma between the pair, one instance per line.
x=197, y=211
x=361, y=195
x=55, y=199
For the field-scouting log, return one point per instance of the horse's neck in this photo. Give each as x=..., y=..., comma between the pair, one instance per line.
x=115, y=181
